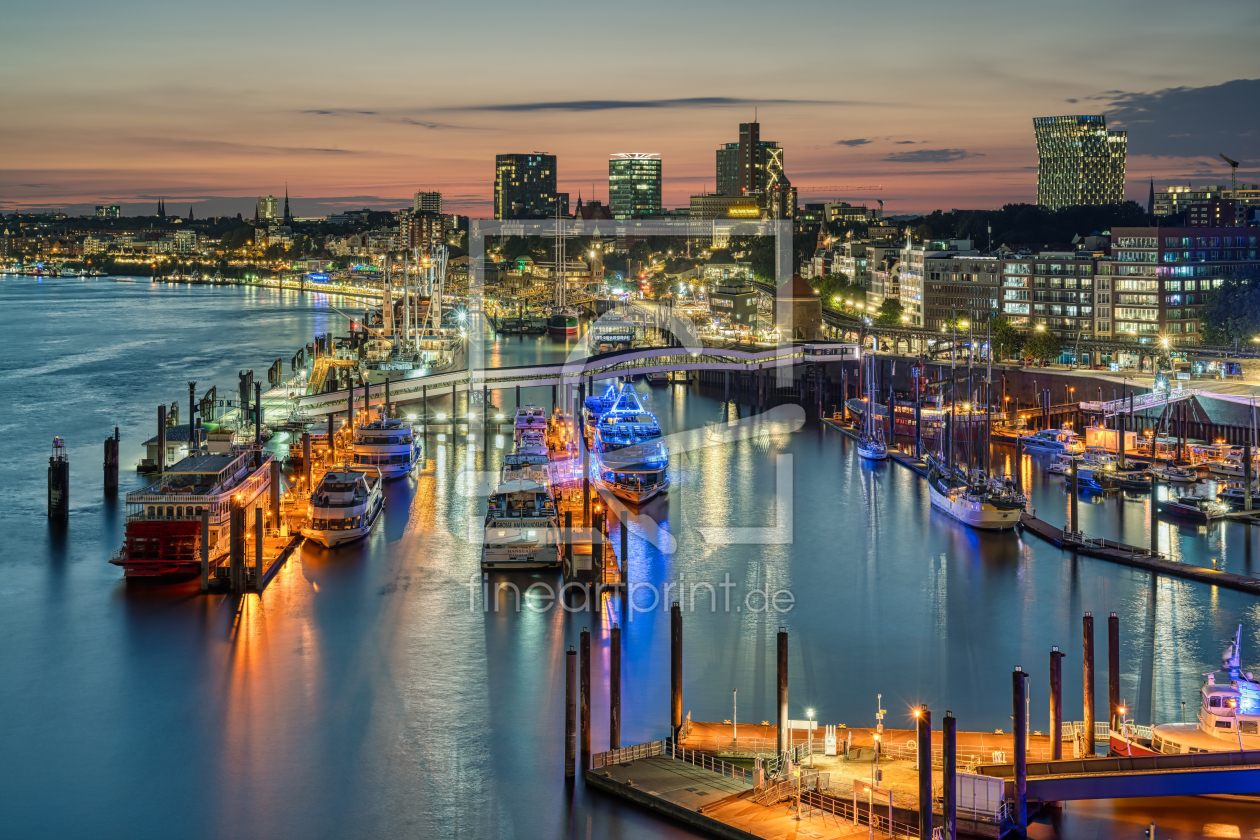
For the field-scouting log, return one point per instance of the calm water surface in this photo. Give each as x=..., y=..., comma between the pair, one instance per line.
x=370, y=693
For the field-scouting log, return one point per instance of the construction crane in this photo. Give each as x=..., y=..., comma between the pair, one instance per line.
x=841, y=187
x=1233, y=174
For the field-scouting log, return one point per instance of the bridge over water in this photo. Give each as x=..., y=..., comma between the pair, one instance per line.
x=588, y=369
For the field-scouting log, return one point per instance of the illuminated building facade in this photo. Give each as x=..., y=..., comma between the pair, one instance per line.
x=428, y=202
x=525, y=187
x=634, y=184
x=268, y=207
x=1080, y=162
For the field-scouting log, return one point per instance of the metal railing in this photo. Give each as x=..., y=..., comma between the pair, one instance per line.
x=707, y=762
x=841, y=809
x=626, y=754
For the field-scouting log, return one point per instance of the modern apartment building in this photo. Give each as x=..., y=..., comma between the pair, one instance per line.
x=525, y=187
x=960, y=286
x=1079, y=161
x=634, y=184
x=1158, y=278
x=108, y=211
x=268, y=208
x=1053, y=290
x=912, y=265
x=428, y=202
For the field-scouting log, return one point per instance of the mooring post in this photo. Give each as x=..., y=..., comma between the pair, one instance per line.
x=205, y=549
x=518, y=396
x=350, y=406
x=782, y=675
x=1120, y=440
x=584, y=646
x=625, y=549
x=306, y=458
x=161, y=440
x=258, y=423
x=192, y=423
x=258, y=548
x=568, y=543
x=1113, y=668
x=1246, y=476
x=1019, y=691
x=1073, y=486
x=1154, y=511
x=570, y=713
x=388, y=408
x=949, y=775
x=614, y=689
x=1056, y=703
x=924, y=736
x=675, y=670
x=1087, y=666
x=275, y=493
x=454, y=410
x=553, y=399
x=236, y=546
x=111, y=463
x=332, y=439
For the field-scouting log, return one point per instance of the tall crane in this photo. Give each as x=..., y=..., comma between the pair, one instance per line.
x=1233, y=174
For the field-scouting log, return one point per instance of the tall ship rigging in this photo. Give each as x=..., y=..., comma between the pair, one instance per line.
x=871, y=444
x=563, y=319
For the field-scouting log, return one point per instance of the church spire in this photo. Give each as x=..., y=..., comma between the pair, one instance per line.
x=1150, y=202
x=287, y=217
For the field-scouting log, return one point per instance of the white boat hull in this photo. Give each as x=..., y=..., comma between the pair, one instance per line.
x=974, y=514
x=341, y=536
x=520, y=557
x=873, y=453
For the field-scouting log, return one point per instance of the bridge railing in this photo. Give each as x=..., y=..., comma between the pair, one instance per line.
x=626, y=754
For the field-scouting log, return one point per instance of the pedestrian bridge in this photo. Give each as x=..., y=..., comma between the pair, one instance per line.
x=586, y=368
x=1119, y=777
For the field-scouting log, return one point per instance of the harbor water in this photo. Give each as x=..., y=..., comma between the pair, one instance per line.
x=375, y=691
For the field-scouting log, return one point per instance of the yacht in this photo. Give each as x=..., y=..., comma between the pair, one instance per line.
x=530, y=466
x=1099, y=458
x=871, y=444
x=1176, y=475
x=344, y=506
x=991, y=505
x=1234, y=496
x=1229, y=465
x=1053, y=440
x=390, y=445
x=1193, y=507
x=522, y=527
x=1228, y=720
x=529, y=418
x=1060, y=464
x=629, y=458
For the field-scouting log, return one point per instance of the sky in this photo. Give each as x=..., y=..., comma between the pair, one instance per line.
x=927, y=105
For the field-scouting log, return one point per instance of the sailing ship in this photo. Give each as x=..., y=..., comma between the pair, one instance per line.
x=871, y=444
x=991, y=504
x=563, y=319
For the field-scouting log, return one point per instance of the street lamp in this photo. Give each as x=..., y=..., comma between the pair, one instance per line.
x=810, y=714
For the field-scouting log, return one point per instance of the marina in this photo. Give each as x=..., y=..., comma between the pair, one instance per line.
x=432, y=492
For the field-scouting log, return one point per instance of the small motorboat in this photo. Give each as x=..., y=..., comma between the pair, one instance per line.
x=1133, y=481
x=1193, y=507
x=1176, y=475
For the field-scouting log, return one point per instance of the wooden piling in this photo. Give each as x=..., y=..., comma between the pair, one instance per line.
x=1056, y=703
x=161, y=440
x=625, y=549
x=1019, y=691
x=111, y=463
x=1247, y=476
x=192, y=413
x=1087, y=668
x=1154, y=513
x=568, y=543
x=236, y=546
x=258, y=422
x=924, y=745
x=1073, y=490
x=306, y=458
x=584, y=647
x=258, y=548
x=1113, y=668
x=1120, y=440
x=205, y=549
x=949, y=775
x=275, y=493
x=570, y=713
x=782, y=676
x=675, y=669
x=614, y=689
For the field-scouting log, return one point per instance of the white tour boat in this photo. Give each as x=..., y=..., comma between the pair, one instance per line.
x=529, y=418
x=522, y=528
x=344, y=506
x=1053, y=440
x=629, y=458
x=389, y=445
x=1228, y=721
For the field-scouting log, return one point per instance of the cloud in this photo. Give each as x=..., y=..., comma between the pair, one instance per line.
x=1189, y=122
x=620, y=104
x=858, y=142
x=931, y=155
x=334, y=111
x=1073, y=101
x=905, y=142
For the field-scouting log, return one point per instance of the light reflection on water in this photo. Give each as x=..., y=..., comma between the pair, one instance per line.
x=362, y=697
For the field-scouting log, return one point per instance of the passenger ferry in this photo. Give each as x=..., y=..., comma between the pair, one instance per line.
x=163, y=530
x=629, y=458
x=990, y=505
x=1228, y=721
x=522, y=527
x=530, y=466
x=389, y=445
x=345, y=506
x=1053, y=440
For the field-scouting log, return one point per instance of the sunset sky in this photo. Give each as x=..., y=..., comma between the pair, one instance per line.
x=210, y=105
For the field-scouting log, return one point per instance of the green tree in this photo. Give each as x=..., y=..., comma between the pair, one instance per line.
x=890, y=312
x=1042, y=345
x=237, y=238
x=1232, y=312
x=659, y=284
x=1006, y=339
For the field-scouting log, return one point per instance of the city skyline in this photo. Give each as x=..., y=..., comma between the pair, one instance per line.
x=250, y=107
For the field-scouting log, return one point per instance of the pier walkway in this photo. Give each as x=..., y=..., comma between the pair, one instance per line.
x=1119, y=777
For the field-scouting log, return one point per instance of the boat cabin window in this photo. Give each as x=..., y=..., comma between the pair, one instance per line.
x=1214, y=702
x=151, y=513
x=1247, y=727
x=170, y=513
x=179, y=512
x=1223, y=724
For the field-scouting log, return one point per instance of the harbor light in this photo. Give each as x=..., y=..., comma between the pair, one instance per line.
x=470, y=415
x=498, y=417
x=441, y=416
x=411, y=417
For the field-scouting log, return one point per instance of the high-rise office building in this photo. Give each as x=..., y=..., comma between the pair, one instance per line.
x=268, y=207
x=525, y=187
x=728, y=169
x=634, y=184
x=428, y=202
x=108, y=211
x=754, y=167
x=1079, y=161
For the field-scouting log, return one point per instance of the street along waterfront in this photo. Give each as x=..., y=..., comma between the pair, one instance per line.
x=365, y=694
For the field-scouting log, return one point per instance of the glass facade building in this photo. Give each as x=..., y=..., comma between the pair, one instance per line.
x=525, y=187
x=634, y=185
x=1079, y=161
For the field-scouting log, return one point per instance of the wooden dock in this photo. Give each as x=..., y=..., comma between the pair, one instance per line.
x=1139, y=558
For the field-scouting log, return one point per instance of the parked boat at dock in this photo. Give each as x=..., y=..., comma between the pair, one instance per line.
x=1176, y=475
x=522, y=527
x=529, y=418
x=1053, y=440
x=871, y=444
x=629, y=458
x=344, y=506
x=390, y=445
x=1192, y=507
x=991, y=505
x=1228, y=719
x=163, y=526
